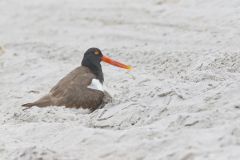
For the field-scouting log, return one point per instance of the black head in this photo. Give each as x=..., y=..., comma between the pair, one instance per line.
x=92, y=58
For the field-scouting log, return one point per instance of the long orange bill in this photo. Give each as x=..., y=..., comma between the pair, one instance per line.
x=115, y=63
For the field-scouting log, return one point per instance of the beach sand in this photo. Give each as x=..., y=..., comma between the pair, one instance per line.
x=181, y=101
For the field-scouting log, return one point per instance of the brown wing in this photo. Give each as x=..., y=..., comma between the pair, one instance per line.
x=72, y=91
x=83, y=74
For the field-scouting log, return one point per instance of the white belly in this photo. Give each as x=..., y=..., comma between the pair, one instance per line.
x=96, y=84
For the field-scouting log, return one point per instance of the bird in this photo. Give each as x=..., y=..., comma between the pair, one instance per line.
x=82, y=87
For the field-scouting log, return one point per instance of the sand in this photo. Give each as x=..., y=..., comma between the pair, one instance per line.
x=180, y=102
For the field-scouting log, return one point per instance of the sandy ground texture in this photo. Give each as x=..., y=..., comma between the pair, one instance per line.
x=181, y=101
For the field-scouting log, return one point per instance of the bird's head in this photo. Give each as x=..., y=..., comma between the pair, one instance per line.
x=93, y=57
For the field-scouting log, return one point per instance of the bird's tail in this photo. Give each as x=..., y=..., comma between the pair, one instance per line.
x=28, y=104
x=42, y=102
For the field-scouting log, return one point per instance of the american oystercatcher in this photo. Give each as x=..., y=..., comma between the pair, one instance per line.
x=83, y=87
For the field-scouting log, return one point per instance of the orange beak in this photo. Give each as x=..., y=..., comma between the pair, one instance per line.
x=115, y=63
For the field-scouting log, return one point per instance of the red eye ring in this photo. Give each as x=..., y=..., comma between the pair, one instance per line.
x=97, y=52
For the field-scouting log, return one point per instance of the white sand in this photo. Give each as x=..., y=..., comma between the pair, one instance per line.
x=181, y=101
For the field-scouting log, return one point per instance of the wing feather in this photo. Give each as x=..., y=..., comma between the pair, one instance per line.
x=72, y=91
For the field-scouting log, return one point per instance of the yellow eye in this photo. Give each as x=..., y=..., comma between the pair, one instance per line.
x=97, y=52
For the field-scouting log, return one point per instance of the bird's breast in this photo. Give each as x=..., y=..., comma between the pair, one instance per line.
x=96, y=84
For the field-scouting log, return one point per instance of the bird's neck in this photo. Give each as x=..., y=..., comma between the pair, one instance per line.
x=96, y=69
x=98, y=73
